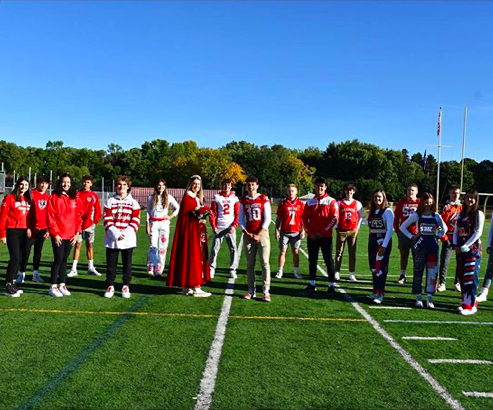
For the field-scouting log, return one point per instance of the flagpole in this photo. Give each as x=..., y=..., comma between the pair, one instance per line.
x=463, y=148
x=439, y=154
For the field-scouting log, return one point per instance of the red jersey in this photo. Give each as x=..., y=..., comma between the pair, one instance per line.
x=350, y=215
x=291, y=214
x=64, y=216
x=449, y=214
x=40, y=206
x=404, y=209
x=92, y=208
x=320, y=215
x=253, y=213
x=14, y=214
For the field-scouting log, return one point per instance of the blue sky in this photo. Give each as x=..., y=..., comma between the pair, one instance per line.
x=296, y=73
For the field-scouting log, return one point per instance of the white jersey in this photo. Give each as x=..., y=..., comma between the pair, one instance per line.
x=226, y=210
x=159, y=212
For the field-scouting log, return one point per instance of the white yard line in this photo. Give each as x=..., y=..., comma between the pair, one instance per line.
x=459, y=361
x=442, y=391
x=439, y=322
x=391, y=307
x=429, y=338
x=478, y=394
x=208, y=382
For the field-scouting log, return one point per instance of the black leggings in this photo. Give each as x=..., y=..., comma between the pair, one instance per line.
x=38, y=243
x=60, y=255
x=18, y=245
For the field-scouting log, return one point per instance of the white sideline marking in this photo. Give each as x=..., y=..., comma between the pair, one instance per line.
x=459, y=361
x=362, y=287
x=439, y=322
x=208, y=382
x=443, y=393
x=428, y=338
x=477, y=394
x=390, y=307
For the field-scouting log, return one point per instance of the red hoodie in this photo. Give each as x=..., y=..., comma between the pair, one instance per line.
x=15, y=214
x=320, y=215
x=40, y=206
x=92, y=208
x=64, y=216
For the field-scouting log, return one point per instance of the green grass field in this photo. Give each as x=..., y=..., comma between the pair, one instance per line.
x=149, y=352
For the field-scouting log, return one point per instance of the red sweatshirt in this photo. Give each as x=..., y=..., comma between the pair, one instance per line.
x=64, y=216
x=320, y=215
x=15, y=215
x=40, y=206
x=92, y=208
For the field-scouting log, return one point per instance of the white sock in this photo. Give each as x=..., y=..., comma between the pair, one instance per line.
x=62, y=284
x=351, y=273
x=312, y=282
x=332, y=284
x=403, y=272
x=296, y=269
x=35, y=272
x=74, y=264
x=90, y=264
x=279, y=270
x=54, y=286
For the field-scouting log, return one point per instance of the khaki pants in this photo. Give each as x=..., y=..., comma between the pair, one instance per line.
x=262, y=247
x=351, y=238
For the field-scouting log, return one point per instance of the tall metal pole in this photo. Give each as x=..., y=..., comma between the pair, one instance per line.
x=439, y=133
x=463, y=148
x=29, y=177
x=51, y=180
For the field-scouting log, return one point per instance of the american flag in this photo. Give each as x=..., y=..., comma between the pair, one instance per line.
x=439, y=127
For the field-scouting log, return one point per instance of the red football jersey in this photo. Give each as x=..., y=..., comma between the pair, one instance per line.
x=349, y=215
x=291, y=213
x=254, y=212
x=404, y=209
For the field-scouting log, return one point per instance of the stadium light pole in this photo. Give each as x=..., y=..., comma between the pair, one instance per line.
x=463, y=148
x=439, y=133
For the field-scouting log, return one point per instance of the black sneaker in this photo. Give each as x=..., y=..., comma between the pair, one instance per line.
x=311, y=288
x=331, y=289
x=11, y=290
x=402, y=279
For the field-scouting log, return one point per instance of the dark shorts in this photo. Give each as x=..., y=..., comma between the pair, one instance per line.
x=404, y=242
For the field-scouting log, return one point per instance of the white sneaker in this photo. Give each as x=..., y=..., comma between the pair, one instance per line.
x=199, y=293
x=467, y=312
x=55, y=292
x=125, y=292
x=429, y=302
x=457, y=287
x=232, y=274
x=213, y=272
x=337, y=276
x=402, y=279
x=419, y=302
x=483, y=295
x=187, y=291
x=110, y=292
x=298, y=275
x=93, y=271
x=21, y=277
x=63, y=289
x=352, y=278
x=442, y=287
x=279, y=275
x=378, y=299
x=72, y=273
x=37, y=278
x=460, y=308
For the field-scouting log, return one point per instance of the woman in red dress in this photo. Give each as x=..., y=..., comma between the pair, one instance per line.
x=189, y=267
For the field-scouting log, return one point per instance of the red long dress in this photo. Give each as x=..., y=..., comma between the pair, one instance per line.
x=189, y=265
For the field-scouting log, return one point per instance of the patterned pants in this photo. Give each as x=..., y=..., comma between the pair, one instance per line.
x=156, y=257
x=488, y=276
x=378, y=265
x=425, y=257
x=468, y=272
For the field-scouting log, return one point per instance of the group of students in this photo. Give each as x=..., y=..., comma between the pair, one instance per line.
x=29, y=217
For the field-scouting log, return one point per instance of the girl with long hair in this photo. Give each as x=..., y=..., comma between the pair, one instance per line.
x=15, y=232
x=380, y=221
x=430, y=227
x=158, y=223
x=467, y=244
x=64, y=225
x=189, y=266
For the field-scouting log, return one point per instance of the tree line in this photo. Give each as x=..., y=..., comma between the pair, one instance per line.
x=367, y=165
